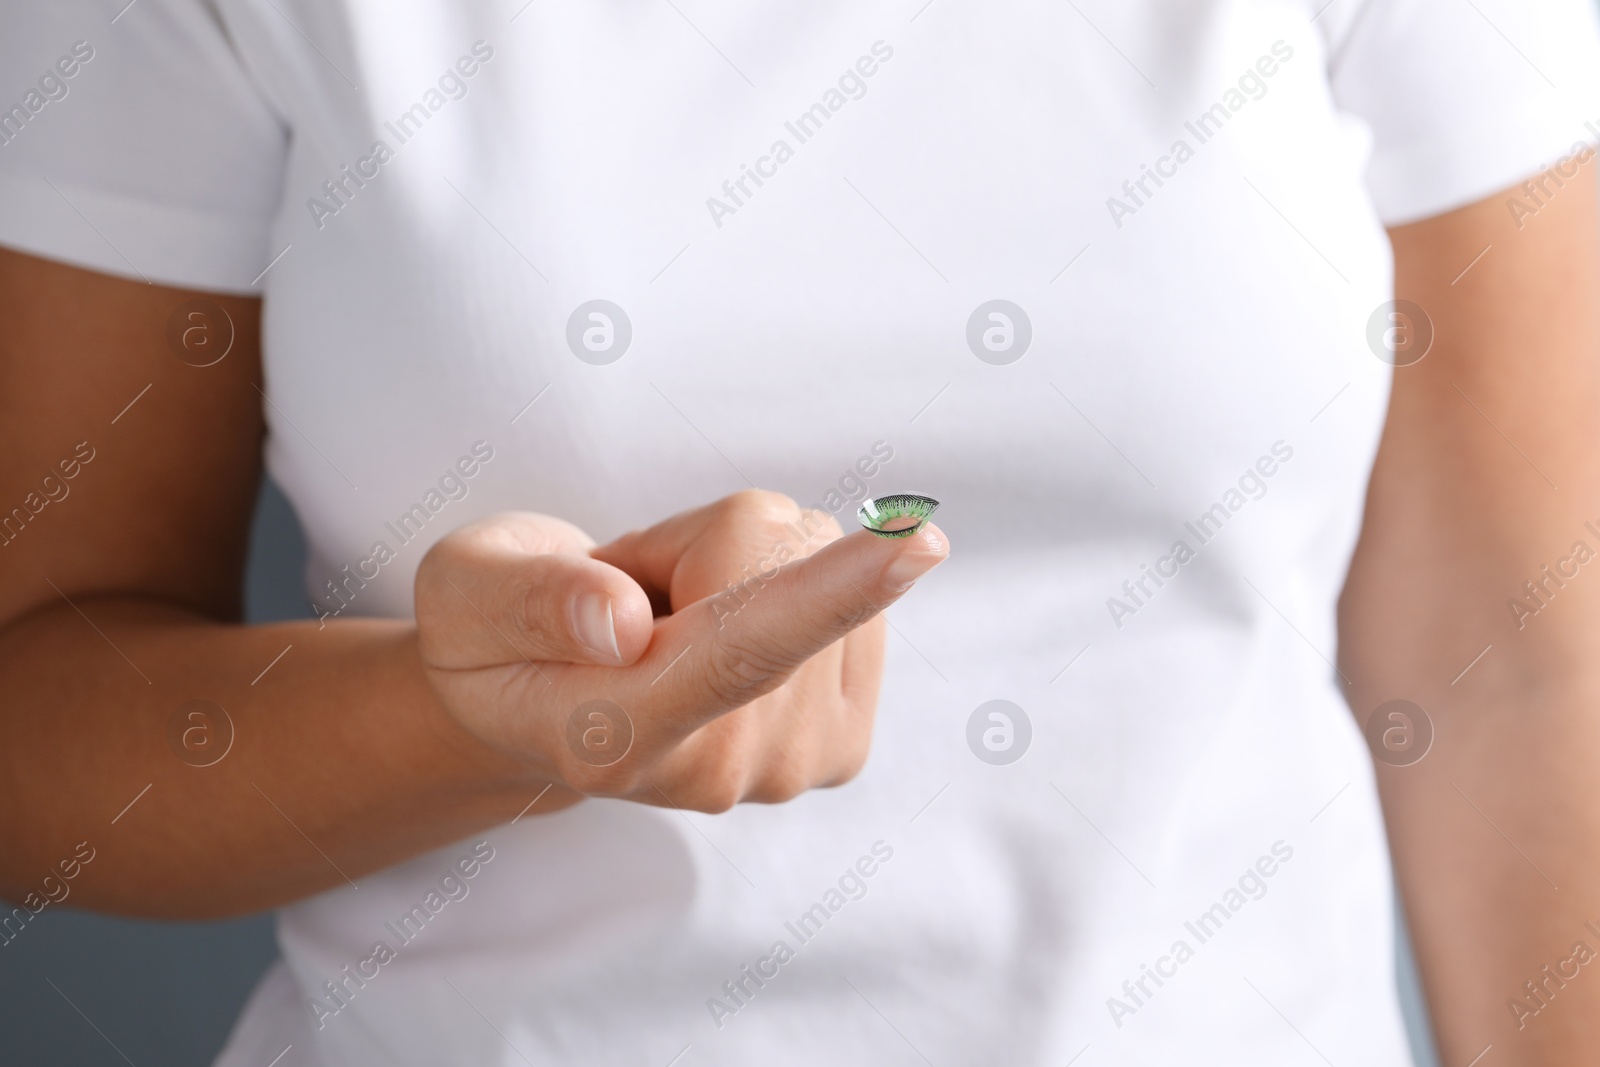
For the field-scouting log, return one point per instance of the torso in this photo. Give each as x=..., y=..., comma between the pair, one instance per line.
x=1181, y=337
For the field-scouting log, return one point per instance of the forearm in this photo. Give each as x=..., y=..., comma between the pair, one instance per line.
x=1485, y=482
x=341, y=762
x=1496, y=830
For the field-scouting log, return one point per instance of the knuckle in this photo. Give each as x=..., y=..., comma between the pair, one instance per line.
x=781, y=783
x=718, y=793
x=843, y=609
x=718, y=772
x=620, y=779
x=736, y=672
x=842, y=751
x=597, y=772
x=761, y=505
x=435, y=568
x=851, y=761
x=583, y=778
x=530, y=616
x=855, y=742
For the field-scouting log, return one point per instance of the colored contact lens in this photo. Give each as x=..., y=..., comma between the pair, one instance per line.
x=896, y=516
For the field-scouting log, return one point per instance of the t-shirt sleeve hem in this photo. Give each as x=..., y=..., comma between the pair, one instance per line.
x=135, y=239
x=1449, y=172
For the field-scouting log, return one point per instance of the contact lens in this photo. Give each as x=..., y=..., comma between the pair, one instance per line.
x=896, y=516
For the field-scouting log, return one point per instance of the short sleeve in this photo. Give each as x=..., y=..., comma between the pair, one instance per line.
x=134, y=142
x=1465, y=97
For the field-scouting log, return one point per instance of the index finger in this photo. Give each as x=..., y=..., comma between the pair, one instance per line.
x=750, y=527
x=704, y=662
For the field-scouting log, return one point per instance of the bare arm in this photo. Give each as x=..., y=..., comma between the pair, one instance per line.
x=371, y=741
x=120, y=602
x=1488, y=471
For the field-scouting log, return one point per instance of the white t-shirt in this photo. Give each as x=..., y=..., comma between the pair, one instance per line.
x=799, y=213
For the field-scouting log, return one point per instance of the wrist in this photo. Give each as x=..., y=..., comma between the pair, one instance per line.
x=469, y=766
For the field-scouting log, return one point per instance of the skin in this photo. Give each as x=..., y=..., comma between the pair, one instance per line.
x=382, y=739
x=372, y=740
x=1457, y=520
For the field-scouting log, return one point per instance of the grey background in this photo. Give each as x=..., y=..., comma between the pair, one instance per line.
x=150, y=993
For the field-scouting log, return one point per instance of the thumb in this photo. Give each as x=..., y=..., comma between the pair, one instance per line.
x=522, y=586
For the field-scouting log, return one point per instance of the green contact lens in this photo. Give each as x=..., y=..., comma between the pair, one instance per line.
x=896, y=516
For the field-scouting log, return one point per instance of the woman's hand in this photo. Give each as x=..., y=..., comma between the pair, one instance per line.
x=545, y=647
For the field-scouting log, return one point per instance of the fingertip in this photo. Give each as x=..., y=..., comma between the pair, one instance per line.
x=607, y=613
x=882, y=566
x=927, y=540
x=918, y=554
x=633, y=621
x=933, y=540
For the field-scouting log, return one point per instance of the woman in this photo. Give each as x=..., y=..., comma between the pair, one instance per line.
x=491, y=285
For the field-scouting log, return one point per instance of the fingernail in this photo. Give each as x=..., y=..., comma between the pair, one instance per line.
x=594, y=627
x=907, y=568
